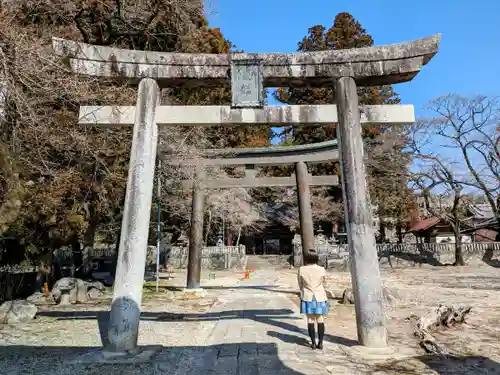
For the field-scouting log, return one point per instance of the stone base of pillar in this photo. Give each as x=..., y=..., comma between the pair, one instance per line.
x=364, y=353
x=142, y=354
x=297, y=260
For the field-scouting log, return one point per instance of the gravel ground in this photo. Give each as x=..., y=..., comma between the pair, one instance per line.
x=476, y=344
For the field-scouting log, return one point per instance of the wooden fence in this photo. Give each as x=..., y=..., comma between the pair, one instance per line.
x=101, y=259
x=412, y=248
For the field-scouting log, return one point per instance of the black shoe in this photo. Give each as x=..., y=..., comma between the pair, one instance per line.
x=320, y=346
x=313, y=346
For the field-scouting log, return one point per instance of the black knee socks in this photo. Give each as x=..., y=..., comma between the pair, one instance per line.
x=321, y=332
x=312, y=333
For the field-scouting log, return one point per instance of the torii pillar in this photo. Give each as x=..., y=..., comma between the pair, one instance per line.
x=123, y=326
x=305, y=208
x=365, y=272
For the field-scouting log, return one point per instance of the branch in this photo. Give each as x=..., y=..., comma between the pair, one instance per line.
x=443, y=316
x=77, y=20
x=469, y=125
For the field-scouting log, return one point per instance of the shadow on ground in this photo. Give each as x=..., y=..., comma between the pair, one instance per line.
x=452, y=365
x=266, y=288
x=488, y=258
x=291, y=339
x=424, y=257
x=241, y=358
x=237, y=358
x=270, y=317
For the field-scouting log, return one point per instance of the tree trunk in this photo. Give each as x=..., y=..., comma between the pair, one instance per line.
x=115, y=254
x=382, y=231
x=443, y=316
x=497, y=238
x=239, y=237
x=77, y=256
x=88, y=245
x=399, y=231
x=45, y=269
x=209, y=224
x=167, y=245
x=335, y=226
x=459, y=257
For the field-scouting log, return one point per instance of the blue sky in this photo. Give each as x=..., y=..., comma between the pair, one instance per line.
x=468, y=61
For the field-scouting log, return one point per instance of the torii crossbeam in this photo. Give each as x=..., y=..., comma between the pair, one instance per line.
x=226, y=115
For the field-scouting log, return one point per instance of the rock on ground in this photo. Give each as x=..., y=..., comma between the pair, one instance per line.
x=97, y=285
x=17, y=311
x=94, y=293
x=390, y=296
x=348, y=297
x=39, y=298
x=77, y=289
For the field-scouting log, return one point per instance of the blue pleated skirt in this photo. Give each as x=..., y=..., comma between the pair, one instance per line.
x=314, y=307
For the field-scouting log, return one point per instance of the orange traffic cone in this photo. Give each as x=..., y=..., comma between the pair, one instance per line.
x=45, y=289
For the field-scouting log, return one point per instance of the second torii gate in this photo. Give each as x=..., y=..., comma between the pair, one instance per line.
x=250, y=158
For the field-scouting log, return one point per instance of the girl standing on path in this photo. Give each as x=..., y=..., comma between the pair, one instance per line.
x=314, y=301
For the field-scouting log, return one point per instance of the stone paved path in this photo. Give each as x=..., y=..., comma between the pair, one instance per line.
x=257, y=331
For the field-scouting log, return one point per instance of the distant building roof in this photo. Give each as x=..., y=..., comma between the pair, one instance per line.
x=424, y=224
x=282, y=212
x=482, y=211
x=486, y=224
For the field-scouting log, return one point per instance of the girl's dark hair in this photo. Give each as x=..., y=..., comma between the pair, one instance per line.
x=311, y=257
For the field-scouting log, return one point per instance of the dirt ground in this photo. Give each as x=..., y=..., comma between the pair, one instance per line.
x=476, y=344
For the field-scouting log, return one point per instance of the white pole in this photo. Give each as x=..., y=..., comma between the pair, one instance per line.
x=158, y=223
x=223, y=230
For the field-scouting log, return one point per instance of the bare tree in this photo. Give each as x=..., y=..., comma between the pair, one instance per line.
x=60, y=181
x=463, y=134
x=237, y=209
x=443, y=199
x=388, y=162
x=468, y=129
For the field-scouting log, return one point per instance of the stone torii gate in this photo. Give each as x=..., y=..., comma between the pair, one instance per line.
x=250, y=158
x=248, y=74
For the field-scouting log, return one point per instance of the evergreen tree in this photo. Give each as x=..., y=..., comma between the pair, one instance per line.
x=346, y=32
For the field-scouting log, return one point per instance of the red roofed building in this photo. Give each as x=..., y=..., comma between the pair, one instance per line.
x=435, y=230
x=424, y=225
